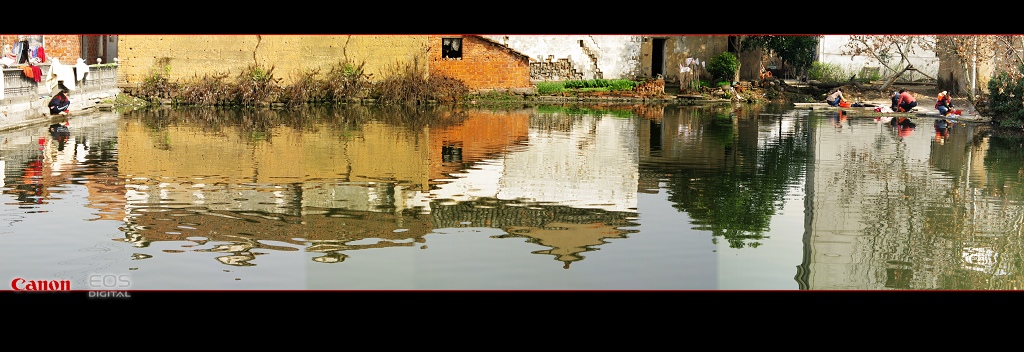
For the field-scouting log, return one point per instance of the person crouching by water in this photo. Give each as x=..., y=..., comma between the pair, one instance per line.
x=60, y=103
x=895, y=97
x=906, y=102
x=835, y=98
x=944, y=103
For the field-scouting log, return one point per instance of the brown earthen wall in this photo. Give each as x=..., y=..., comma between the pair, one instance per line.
x=192, y=57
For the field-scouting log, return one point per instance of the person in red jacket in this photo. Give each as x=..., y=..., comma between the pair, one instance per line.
x=906, y=101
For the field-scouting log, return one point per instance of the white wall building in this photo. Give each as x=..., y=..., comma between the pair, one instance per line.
x=596, y=56
x=830, y=50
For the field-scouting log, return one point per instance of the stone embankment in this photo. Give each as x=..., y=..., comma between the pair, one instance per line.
x=24, y=101
x=32, y=111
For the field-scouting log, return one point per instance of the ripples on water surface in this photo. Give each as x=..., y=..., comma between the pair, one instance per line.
x=547, y=198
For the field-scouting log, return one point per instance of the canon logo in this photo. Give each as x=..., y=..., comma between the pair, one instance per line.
x=20, y=284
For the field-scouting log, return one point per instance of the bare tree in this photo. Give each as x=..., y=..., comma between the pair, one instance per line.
x=1010, y=50
x=1004, y=52
x=969, y=52
x=891, y=51
x=737, y=43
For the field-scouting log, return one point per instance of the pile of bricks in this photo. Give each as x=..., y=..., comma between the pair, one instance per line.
x=651, y=88
x=559, y=70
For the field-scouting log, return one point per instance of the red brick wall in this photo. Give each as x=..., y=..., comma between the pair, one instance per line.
x=66, y=48
x=484, y=65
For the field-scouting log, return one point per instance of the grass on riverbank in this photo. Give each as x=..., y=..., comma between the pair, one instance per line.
x=344, y=82
x=589, y=85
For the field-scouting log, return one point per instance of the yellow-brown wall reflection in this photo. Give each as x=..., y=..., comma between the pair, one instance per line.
x=330, y=188
x=376, y=152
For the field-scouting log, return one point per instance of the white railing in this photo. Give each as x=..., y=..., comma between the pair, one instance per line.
x=17, y=84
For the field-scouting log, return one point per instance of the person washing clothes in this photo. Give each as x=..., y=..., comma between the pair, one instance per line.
x=836, y=98
x=906, y=102
x=60, y=103
x=944, y=103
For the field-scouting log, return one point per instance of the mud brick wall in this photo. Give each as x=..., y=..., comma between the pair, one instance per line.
x=558, y=70
x=66, y=48
x=193, y=57
x=484, y=64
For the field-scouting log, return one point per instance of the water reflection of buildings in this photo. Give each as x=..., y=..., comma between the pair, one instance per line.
x=569, y=188
x=674, y=138
x=380, y=185
x=588, y=162
x=888, y=213
x=245, y=233
x=83, y=159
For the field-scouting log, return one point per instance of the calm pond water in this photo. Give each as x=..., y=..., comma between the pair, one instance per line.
x=538, y=198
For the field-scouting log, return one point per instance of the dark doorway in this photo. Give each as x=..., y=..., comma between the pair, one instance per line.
x=657, y=57
x=103, y=47
x=734, y=45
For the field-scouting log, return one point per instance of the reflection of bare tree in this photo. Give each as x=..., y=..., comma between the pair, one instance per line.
x=991, y=243
x=907, y=224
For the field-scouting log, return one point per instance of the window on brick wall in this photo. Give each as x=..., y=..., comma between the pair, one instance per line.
x=451, y=48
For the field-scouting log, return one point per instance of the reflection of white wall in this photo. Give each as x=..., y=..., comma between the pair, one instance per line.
x=479, y=181
x=594, y=165
x=269, y=198
x=352, y=196
x=842, y=201
x=865, y=215
x=618, y=56
x=61, y=159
